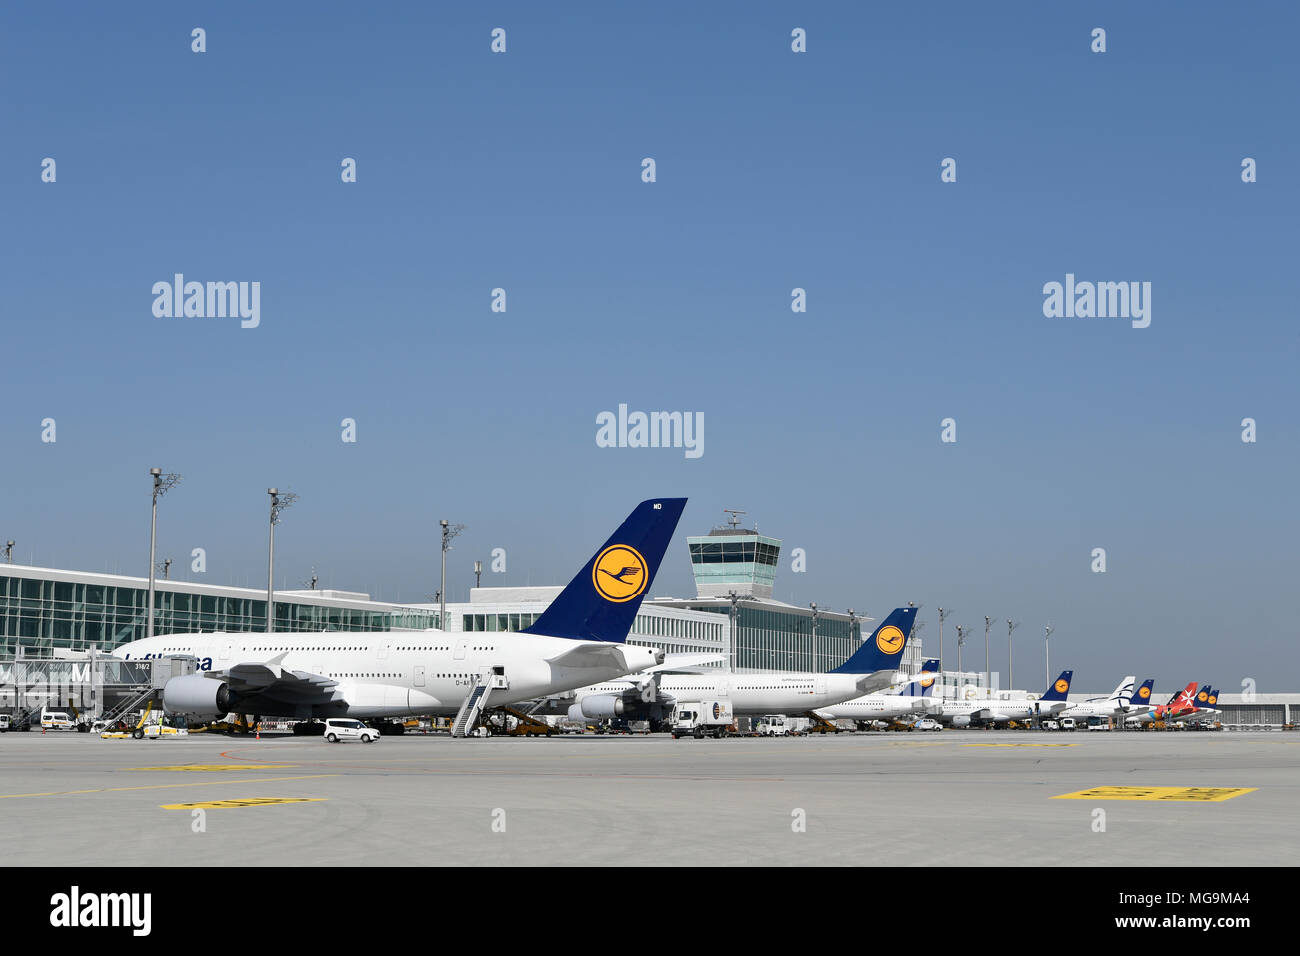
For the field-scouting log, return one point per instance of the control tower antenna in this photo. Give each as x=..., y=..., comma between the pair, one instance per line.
x=734, y=520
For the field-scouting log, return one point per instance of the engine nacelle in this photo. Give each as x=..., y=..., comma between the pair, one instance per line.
x=603, y=706
x=962, y=721
x=196, y=694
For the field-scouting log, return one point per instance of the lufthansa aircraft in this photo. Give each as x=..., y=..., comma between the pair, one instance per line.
x=873, y=666
x=579, y=639
x=914, y=699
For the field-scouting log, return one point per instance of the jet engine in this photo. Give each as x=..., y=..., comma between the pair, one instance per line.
x=603, y=706
x=962, y=721
x=196, y=694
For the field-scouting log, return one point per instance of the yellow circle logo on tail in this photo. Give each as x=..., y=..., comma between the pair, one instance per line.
x=1061, y=685
x=620, y=573
x=1144, y=692
x=1214, y=699
x=927, y=683
x=890, y=640
x=1201, y=696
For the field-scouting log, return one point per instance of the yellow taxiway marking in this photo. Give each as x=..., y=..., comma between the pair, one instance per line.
x=1019, y=745
x=241, y=802
x=216, y=767
x=158, y=786
x=1181, y=794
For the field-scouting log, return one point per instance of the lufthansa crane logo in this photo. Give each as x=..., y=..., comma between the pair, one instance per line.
x=619, y=573
x=1214, y=698
x=1061, y=685
x=1201, y=696
x=927, y=683
x=1144, y=692
x=890, y=640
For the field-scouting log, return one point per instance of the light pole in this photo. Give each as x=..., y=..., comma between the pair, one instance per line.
x=734, y=598
x=161, y=485
x=1011, y=626
x=943, y=613
x=815, y=616
x=1047, y=655
x=988, y=676
x=478, y=574
x=449, y=531
x=961, y=641
x=279, y=501
x=853, y=631
x=9, y=551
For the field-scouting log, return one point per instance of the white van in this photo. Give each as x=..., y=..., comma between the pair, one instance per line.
x=6, y=722
x=349, y=728
x=1067, y=723
x=55, y=720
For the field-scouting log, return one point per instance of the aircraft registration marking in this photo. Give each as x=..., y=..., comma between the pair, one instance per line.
x=1177, y=794
x=241, y=802
x=216, y=767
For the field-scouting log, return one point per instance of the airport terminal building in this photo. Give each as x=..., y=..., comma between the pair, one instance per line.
x=51, y=612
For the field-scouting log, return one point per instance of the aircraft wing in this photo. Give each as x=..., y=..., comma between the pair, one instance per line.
x=272, y=679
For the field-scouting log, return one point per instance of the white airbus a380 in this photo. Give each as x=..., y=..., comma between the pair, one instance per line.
x=578, y=640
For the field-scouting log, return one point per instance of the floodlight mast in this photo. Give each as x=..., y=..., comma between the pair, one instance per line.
x=449, y=531
x=280, y=500
x=1047, y=654
x=162, y=483
x=1011, y=675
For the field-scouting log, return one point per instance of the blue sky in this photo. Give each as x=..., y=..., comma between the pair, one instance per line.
x=775, y=170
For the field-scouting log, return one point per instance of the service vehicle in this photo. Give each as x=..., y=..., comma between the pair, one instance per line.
x=1067, y=723
x=927, y=723
x=349, y=728
x=5, y=723
x=772, y=725
x=56, y=720
x=705, y=718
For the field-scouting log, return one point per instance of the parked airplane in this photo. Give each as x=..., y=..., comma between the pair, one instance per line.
x=1177, y=704
x=915, y=699
x=578, y=639
x=1123, y=702
x=1200, y=709
x=963, y=713
x=873, y=666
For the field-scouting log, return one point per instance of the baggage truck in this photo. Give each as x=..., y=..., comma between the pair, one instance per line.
x=705, y=718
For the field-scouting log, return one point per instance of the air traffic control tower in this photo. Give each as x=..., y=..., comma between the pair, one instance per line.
x=732, y=558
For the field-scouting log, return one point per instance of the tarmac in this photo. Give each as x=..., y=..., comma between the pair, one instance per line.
x=950, y=798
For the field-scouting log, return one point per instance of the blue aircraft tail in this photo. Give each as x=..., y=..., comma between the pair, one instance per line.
x=1142, y=696
x=601, y=602
x=884, y=648
x=1060, y=689
x=925, y=686
x=1202, y=697
x=1214, y=698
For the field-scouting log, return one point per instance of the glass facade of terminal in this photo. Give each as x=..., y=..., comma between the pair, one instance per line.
x=770, y=639
x=42, y=613
x=676, y=635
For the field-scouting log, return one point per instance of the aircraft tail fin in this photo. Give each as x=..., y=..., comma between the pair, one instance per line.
x=601, y=602
x=884, y=648
x=1060, y=688
x=1142, y=696
x=925, y=686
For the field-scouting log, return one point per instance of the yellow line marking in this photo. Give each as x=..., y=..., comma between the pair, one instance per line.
x=1180, y=794
x=158, y=786
x=216, y=767
x=1019, y=745
x=241, y=802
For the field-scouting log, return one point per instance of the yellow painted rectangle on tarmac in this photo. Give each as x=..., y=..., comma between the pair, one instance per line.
x=242, y=802
x=1176, y=794
x=216, y=767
